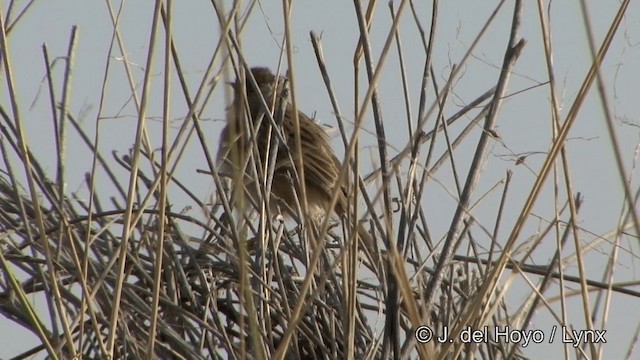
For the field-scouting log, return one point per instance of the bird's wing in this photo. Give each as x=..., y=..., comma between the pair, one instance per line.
x=321, y=167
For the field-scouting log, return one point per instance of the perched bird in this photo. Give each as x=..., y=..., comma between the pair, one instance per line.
x=320, y=164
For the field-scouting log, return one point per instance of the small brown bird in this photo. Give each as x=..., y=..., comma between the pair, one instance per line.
x=320, y=164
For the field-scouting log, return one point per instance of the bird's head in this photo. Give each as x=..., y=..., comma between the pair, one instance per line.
x=270, y=88
x=266, y=81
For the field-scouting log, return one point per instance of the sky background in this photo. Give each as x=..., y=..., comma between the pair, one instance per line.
x=524, y=123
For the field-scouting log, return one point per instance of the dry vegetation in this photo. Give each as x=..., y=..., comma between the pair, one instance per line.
x=124, y=274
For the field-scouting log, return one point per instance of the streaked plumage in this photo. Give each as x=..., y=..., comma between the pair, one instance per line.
x=320, y=164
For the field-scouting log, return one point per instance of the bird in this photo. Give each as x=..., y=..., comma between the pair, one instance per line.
x=320, y=165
